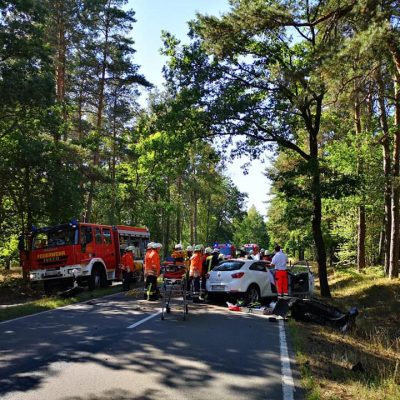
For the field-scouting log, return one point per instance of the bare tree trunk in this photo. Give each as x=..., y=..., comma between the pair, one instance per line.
x=317, y=218
x=381, y=247
x=60, y=15
x=387, y=173
x=113, y=164
x=361, y=228
x=179, y=211
x=208, y=220
x=195, y=216
x=99, y=115
x=167, y=222
x=313, y=126
x=394, y=245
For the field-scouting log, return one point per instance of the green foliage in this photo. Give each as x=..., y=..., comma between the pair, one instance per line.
x=251, y=229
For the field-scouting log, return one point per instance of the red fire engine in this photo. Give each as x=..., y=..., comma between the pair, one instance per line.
x=90, y=252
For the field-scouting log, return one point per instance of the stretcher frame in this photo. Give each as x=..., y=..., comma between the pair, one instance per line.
x=174, y=288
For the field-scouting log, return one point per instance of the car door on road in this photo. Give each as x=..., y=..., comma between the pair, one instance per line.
x=260, y=273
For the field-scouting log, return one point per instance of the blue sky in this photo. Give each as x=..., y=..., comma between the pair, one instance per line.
x=153, y=16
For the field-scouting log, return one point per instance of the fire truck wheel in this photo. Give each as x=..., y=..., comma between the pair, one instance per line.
x=48, y=287
x=98, y=278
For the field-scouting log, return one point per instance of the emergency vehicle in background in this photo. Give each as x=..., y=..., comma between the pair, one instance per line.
x=227, y=250
x=89, y=252
x=250, y=247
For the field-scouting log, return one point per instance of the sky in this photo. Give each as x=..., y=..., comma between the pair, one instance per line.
x=154, y=16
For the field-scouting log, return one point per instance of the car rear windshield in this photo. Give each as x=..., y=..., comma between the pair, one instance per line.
x=229, y=266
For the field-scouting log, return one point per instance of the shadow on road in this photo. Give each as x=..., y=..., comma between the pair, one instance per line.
x=179, y=354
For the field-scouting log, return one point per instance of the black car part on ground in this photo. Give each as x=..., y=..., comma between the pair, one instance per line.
x=316, y=312
x=299, y=283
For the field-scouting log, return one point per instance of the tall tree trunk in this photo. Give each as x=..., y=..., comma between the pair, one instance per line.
x=313, y=126
x=387, y=172
x=361, y=228
x=208, y=219
x=60, y=16
x=179, y=211
x=99, y=115
x=167, y=222
x=195, y=216
x=317, y=218
x=394, y=245
x=113, y=179
x=381, y=247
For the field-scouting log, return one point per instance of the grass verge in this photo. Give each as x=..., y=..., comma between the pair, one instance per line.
x=50, y=303
x=30, y=300
x=328, y=358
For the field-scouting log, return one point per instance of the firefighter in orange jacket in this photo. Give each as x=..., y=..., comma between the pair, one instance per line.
x=178, y=255
x=128, y=266
x=152, y=270
x=196, y=266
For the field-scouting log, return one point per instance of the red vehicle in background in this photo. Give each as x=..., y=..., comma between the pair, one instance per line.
x=89, y=252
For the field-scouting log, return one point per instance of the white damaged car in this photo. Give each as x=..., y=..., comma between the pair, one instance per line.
x=253, y=280
x=240, y=278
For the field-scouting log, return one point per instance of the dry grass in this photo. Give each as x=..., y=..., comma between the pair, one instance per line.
x=327, y=356
x=13, y=290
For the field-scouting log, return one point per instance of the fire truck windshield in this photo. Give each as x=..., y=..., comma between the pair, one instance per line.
x=45, y=238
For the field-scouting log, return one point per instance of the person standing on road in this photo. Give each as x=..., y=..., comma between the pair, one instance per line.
x=256, y=255
x=178, y=255
x=152, y=270
x=215, y=259
x=196, y=265
x=279, y=261
x=149, y=249
x=188, y=256
x=205, y=261
x=128, y=266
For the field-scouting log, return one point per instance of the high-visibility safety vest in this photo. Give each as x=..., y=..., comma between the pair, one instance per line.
x=208, y=263
x=127, y=261
x=196, y=264
x=152, y=263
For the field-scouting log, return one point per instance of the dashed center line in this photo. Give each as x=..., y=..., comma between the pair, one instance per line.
x=144, y=320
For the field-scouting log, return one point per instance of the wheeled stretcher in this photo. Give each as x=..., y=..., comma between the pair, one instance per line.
x=174, y=287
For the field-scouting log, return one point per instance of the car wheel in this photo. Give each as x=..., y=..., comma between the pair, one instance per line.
x=252, y=294
x=211, y=297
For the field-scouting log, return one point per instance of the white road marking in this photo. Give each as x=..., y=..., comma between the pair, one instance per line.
x=287, y=378
x=143, y=320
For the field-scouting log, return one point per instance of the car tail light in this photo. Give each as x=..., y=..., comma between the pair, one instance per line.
x=237, y=275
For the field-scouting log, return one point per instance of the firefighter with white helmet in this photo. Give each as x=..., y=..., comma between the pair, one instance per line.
x=189, y=251
x=206, y=259
x=178, y=254
x=196, y=265
x=149, y=249
x=188, y=256
x=152, y=270
x=215, y=258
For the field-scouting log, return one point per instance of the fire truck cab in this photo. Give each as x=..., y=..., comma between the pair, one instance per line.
x=89, y=252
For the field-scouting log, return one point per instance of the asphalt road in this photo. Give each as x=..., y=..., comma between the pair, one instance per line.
x=119, y=348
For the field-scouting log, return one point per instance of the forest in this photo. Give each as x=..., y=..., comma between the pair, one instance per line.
x=315, y=84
